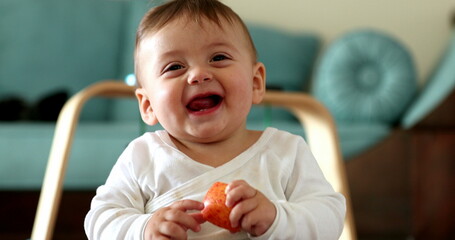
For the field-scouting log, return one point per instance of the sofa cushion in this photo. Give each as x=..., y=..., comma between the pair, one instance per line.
x=289, y=58
x=95, y=149
x=366, y=76
x=59, y=44
x=437, y=88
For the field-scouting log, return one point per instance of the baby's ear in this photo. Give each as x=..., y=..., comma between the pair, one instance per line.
x=147, y=114
x=258, y=82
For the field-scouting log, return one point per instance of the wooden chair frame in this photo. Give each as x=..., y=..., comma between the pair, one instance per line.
x=314, y=117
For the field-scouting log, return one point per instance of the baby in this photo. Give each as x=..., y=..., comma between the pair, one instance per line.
x=198, y=76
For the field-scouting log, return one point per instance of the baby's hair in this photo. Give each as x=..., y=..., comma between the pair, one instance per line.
x=196, y=10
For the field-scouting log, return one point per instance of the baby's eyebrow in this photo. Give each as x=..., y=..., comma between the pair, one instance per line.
x=215, y=44
x=170, y=53
x=223, y=44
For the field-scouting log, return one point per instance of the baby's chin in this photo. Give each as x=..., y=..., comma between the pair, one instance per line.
x=200, y=136
x=213, y=131
x=207, y=136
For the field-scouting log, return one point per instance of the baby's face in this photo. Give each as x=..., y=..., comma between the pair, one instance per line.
x=198, y=81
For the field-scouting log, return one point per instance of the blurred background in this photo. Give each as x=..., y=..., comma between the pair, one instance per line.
x=385, y=69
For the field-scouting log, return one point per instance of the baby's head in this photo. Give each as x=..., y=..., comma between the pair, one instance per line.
x=188, y=10
x=197, y=70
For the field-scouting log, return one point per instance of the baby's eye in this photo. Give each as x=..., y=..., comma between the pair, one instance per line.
x=173, y=67
x=219, y=57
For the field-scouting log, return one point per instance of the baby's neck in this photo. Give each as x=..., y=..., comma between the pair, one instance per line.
x=216, y=154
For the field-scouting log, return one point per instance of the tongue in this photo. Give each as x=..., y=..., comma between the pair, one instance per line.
x=201, y=104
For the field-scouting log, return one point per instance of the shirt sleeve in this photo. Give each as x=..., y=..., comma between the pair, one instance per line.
x=117, y=210
x=312, y=210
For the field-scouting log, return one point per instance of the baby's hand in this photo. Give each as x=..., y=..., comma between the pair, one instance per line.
x=172, y=222
x=251, y=209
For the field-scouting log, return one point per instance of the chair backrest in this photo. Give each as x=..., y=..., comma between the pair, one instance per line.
x=314, y=117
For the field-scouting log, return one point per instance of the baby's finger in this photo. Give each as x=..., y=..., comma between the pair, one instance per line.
x=178, y=214
x=185, y=205
x=236, y=183
x=183, y=219
x=238, y=193
x=172, y=230
x=241, y=211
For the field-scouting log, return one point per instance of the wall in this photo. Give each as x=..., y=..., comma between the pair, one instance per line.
x=422, y=25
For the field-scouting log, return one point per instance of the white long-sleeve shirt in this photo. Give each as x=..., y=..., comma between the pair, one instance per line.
x=152, y=173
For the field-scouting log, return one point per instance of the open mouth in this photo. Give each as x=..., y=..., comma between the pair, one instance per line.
x=204, y=103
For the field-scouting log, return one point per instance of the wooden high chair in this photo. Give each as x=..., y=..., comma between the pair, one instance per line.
x=314, y=117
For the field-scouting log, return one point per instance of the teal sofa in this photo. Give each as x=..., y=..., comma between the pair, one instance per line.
x=61, y=46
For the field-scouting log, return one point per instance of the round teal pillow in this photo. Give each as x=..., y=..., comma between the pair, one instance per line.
x=366, y=76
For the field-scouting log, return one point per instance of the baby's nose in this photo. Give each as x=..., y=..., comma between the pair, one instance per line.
x=199, y=76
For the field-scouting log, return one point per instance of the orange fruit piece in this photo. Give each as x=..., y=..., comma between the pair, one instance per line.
x=215, y=210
